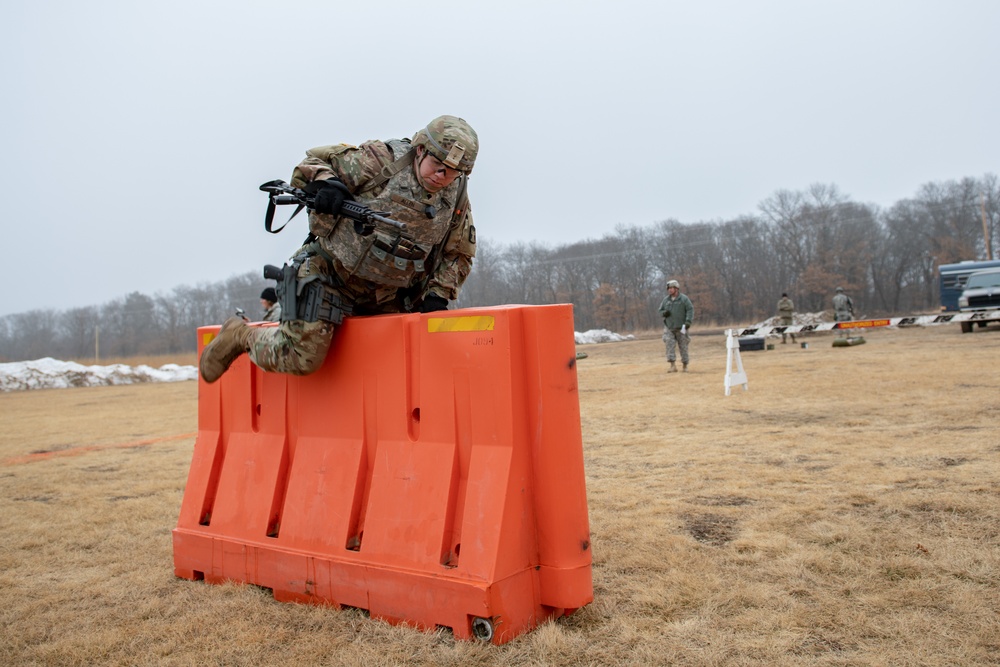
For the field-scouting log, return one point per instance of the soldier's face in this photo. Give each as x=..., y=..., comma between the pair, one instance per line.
x=672, y=291
x=434, y=174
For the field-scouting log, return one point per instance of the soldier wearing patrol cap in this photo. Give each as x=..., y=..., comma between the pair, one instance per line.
x=421, y=182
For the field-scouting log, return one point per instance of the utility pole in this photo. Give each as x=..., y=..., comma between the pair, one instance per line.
x=97, y=344
x=986, y=229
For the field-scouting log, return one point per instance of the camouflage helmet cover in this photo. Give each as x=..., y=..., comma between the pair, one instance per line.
x=840, y=289
x=451, y=140
x=673, y=283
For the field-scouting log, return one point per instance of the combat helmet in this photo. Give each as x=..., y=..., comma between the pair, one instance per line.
x=673, y=283
x=451, y=140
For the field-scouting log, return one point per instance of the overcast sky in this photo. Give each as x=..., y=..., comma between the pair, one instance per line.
x=135, y=134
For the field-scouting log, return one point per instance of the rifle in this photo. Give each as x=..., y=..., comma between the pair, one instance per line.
x=281, y=193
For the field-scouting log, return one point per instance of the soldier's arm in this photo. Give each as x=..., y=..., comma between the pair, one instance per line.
x=353, y=165
x=457, y=254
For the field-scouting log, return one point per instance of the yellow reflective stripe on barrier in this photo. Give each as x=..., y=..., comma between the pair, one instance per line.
x=466, y=323
x=207, y=338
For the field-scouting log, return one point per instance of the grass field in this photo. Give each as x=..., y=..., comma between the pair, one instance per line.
x=843, y=511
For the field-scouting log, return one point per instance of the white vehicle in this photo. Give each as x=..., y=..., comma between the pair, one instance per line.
x=982, y=292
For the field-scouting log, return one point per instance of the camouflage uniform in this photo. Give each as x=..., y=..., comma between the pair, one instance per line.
x=843, y=306
x=273, y=314
x=676, y=312
x=786, y=312
x=387, y=271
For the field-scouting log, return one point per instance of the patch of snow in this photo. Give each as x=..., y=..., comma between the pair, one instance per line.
x=50, y=373
x=599, y=336
x=798, y=319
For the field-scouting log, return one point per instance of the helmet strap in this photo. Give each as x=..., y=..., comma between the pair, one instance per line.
x=422, y=154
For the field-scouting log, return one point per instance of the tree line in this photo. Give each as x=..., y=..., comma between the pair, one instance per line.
x=805, y=243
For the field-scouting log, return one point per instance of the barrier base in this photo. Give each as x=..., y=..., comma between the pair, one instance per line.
x=497, y=611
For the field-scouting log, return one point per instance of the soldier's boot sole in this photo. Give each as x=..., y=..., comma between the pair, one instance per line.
x=232, y=340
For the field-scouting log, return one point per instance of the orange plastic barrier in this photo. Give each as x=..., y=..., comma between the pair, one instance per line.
x=430, y=472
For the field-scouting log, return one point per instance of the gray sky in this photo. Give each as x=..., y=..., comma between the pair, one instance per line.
x=135, y=134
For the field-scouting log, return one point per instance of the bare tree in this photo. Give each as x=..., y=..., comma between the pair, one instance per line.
x=79, y=327
x=577, y=282
x=750, y=272
x=990, y=209
x=33, y=335
x=952, y=209
x=484, y=287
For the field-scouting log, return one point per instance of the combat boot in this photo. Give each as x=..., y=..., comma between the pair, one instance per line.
x=232, y=340
x=685, y=368
x=673, y=367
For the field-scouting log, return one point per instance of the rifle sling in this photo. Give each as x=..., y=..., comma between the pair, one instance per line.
x=269, y=216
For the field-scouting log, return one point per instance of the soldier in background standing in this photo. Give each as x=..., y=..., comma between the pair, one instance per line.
x=786, y=313
x=339, y=272
x=843, y=306
x=677, y=312
x=269, y=302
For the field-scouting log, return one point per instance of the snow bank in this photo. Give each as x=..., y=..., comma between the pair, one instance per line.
x=49, y=373
x=599, y=336
x=797, y=319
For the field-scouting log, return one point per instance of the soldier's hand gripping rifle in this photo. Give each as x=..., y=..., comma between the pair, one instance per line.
x=281, y=193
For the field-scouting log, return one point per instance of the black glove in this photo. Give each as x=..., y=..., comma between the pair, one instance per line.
x=329, y=195
x=432, y=303
x=688, y=325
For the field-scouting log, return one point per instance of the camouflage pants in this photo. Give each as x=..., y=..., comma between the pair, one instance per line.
x=294, y=346
x=787, y=322
x=674, y=339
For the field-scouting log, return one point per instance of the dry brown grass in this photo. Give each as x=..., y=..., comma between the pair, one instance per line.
x=843, y=511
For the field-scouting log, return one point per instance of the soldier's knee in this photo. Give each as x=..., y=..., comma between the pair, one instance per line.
x=311, y=352
x=305, y=367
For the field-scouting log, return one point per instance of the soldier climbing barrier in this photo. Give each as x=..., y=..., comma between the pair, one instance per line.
x=735, y=374
x=431, y=472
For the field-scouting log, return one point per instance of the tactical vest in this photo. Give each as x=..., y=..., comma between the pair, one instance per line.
x=389, y=257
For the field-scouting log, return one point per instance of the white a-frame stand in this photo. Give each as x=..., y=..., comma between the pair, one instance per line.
x=738, y=375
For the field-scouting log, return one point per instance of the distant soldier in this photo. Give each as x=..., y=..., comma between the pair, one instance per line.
x=786, y=312
x=843, y=306
x=269, y=302
x=677, y=312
